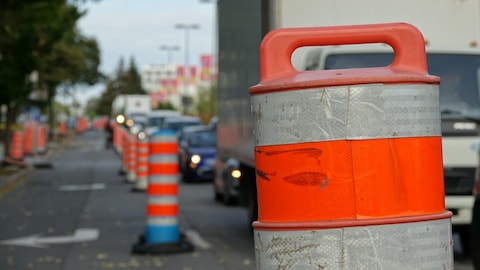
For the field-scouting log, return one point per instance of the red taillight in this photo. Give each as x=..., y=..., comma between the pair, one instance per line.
x=476, y=189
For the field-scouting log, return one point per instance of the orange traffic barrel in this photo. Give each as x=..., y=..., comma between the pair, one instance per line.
x=125, y=141
x=141, y=179
x=29, y=138
x=349, y=161
x=162, y=234
x=41, y=135
x=62, y=128
x=117, y=137
x=16, y=146
x=131, y=157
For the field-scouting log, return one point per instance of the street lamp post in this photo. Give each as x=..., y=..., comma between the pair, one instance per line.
x=169, y=50
x=213, y=78
x=187, y=28
x=215, y=32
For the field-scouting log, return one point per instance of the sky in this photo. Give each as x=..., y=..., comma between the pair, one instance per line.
x=138, y=28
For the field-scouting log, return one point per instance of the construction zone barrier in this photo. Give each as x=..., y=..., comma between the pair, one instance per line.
x=29, y=138
x=117, y=137
x=124, y=150
x=345, y=158
x=16, y=147
x=162, y=234
x=62, y=128
x=141, y=181
x=131, y=157
x=42, y=137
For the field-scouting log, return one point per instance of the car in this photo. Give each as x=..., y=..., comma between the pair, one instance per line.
x=198, y=154
x=176, y=123
x=185, y=132
x=155, y=119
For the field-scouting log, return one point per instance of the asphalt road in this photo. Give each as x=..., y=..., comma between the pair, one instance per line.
x=80, y=214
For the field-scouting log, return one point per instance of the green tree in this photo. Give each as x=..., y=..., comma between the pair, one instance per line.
x=33, y=35
x=126, y=82
x=28, y=29
x=206, y=103
x=133, y=81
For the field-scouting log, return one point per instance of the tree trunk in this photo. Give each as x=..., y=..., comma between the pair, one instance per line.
x=12, y=109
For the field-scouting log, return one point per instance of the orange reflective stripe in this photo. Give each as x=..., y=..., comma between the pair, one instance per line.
x=169, y=168
x=16, y=149
x=350, y=179
x=162, y=189
x=163, y=148
x=28, y=145
x=162, y=210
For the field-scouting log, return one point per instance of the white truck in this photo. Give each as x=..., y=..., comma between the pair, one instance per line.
x=451, y=29
x=134, y=108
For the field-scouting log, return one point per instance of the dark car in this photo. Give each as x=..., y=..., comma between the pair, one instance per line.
x=227, y=182
x=177, y=123
x=197, y=155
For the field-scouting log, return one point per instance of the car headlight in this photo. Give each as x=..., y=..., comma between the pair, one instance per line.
x=236, y=173
x=195, y=159
x=120, y=119
x=141, y=135
x=129, y=122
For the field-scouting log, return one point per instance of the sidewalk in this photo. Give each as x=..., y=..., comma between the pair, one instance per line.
x=11, y=174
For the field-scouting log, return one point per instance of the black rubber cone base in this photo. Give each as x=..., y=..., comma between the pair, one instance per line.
x=137, y=190
x=168, y=248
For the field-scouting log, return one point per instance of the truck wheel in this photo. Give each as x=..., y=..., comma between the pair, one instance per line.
x=248, y=190
x=475, y=234
x=228, y=199
x=464, y=233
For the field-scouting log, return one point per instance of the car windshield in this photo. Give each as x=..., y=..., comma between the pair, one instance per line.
x=177, y=126
x=459, y=74
x=203, y=139
x=155, y=121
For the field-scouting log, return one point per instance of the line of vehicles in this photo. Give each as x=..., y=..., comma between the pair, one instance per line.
x=196, y=141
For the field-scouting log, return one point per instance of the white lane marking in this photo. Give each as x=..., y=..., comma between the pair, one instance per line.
x=197, y=240
x=36, y=240
x=94, y=186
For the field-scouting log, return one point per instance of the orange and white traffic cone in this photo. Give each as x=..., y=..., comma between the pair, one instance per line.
x=41, y=138
x=345, y=158
x=16, y=147
x=29, y=138
x=62, y=128
x=131, y=158
x=141, y=181
x=162, y=232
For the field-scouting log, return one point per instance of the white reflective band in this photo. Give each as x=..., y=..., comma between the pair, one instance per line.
x=162, y=221
x=163, y=159
x=163, y=179
x=141, y=168
x=163, y=200
x=417, y=245
x=142, y=159
x=163, y=139
x=142, y=150
x=356, y=112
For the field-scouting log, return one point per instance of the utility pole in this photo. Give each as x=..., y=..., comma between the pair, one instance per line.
x=185, y=101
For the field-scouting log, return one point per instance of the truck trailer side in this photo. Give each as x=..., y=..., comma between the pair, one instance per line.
x=452, y=44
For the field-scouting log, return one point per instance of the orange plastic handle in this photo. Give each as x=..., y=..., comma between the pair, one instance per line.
x=405, y=39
